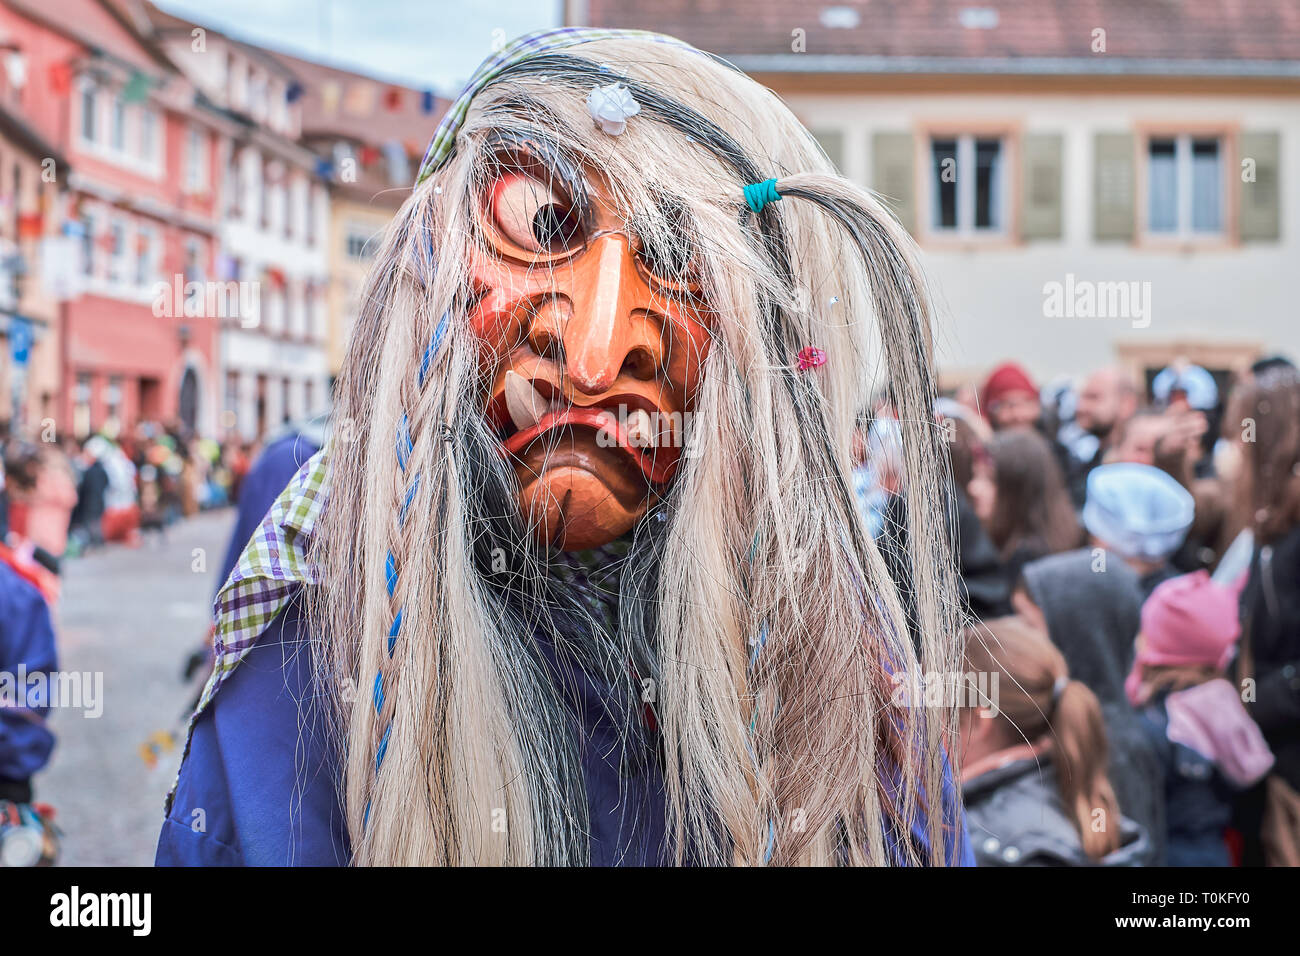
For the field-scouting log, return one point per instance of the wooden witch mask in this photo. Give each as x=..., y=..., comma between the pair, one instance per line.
x=593, y=338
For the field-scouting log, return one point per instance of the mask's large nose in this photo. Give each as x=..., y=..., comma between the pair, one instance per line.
x=598, y=335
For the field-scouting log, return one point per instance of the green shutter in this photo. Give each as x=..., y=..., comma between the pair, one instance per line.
x=1114, y=179
x=1260, y=209
x=893, y=174
x=832, y=142
x=1040, y=185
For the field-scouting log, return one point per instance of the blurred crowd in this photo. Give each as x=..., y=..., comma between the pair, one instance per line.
x=1129, y=556
x=61, y=498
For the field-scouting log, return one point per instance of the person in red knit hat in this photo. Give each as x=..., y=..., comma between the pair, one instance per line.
x=1009, y=398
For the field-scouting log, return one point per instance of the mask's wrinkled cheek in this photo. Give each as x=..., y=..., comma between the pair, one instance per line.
x=689, y=340
x=499, y=315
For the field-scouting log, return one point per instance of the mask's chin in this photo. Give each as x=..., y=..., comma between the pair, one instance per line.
x=575, y=493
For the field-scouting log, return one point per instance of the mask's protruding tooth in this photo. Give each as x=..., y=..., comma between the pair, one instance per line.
x=639, y=433
x=523, y=401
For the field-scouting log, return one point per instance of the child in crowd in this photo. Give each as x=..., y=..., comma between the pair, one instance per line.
x=1090, y=608
x=1034, y=758
x=1209, y=746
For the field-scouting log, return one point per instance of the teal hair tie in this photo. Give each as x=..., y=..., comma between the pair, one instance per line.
x=759, y=195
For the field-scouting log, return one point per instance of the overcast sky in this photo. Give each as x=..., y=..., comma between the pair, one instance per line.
x=422, y=43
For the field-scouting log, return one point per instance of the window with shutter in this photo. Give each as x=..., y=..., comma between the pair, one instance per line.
x=1184, y=186
x=967, y=186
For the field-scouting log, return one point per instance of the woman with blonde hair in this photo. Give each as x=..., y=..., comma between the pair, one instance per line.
x=1033, y=752
x=579, y=576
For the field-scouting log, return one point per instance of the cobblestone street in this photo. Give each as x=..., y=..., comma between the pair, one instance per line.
x=134, y=615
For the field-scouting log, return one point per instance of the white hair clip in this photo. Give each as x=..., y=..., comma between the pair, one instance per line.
x=610, y=106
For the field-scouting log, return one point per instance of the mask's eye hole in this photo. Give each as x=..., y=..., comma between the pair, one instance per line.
x=669, y=256
x=668, y=260
x=534, y=216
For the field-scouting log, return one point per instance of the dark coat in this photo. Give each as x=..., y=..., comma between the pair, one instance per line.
x=1015, y=818
x=261, y=774
x=90, y=496
x=1270, y=620
x=1270, y=607
x=263, y=771
x=984, y=590
x=274, y=468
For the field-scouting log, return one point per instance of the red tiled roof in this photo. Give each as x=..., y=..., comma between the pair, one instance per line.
x=1008, y=30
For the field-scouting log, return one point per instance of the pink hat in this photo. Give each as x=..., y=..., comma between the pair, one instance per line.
x=1188, y=621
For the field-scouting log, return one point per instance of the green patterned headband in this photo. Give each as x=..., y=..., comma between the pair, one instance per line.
x=524, y=48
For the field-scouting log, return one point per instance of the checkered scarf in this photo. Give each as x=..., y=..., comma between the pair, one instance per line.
x=524, y=48
x=272, y=568
x=276, y=564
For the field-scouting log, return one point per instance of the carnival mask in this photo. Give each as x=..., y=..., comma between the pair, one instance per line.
x=593, y=338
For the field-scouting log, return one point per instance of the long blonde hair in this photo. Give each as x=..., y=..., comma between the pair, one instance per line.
x=757, y=603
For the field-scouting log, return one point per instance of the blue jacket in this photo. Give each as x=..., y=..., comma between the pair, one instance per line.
x=1198, y=799
x=255, y=789
x=26, y=644
x=259, y=783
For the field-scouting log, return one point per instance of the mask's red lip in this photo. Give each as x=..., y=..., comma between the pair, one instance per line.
x=657, y=464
